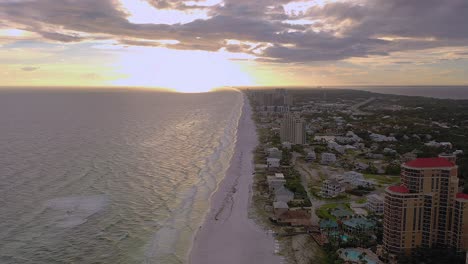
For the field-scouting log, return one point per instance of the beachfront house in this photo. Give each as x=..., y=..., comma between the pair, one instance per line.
x=283, y=195
x=280, y=208
x=375, y=204
x=274, y=153
x=273, y=163
x=276, y=181
x=299, y=217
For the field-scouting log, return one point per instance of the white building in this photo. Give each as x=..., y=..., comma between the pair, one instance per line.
x=356, y=179
x=436, y=144
x=327, y=158
x=293, y=130
x=331, y=188
x=381, y=138
x=375, y=204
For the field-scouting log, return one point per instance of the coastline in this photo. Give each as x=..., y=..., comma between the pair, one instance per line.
x=227, y=234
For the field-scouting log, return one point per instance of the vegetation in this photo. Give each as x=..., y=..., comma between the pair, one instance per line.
x=360, y=191
x=286, y=157
x=393, y=169
x=294, y=184
x=361, y=200
x=383, y=179
x=324, y=211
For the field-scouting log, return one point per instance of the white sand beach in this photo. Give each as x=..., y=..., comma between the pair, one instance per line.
x=228, y=235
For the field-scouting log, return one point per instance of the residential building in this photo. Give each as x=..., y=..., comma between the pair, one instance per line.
x=293, y=130
x=327, y=158
x=328, y=225
x=273, y=163
x=342, y=213
x=375, y=204
x=275, y=182
x=425, y=211
x=280, y=208
x=274, y=153
x=459, y=230
x=356, y=179
x=337, y=147
x=450, y=157
x=300, y=217
x=331, y=188
x=436, y=144
x=311, y=156
x=357, y=225
x=283, y=195
x=381, y=138
x=286, y=145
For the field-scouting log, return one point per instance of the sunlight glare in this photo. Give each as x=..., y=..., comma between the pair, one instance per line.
x=183, y=71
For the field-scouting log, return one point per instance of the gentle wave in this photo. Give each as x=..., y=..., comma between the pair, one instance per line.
x=110, y=177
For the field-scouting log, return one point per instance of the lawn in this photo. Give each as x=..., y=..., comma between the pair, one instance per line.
x=324, y=211
x=361, y=200
x=383, y=179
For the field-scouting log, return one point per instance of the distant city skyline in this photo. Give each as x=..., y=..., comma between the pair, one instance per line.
x=202, y=44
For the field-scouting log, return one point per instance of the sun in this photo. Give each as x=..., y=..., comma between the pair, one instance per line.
x=183, y=71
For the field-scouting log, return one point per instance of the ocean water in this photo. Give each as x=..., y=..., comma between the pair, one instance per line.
x=109, y=176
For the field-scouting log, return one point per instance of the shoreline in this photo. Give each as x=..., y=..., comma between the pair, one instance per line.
x=227, y=234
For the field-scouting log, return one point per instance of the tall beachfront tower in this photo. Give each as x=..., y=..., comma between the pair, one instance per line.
x=425, y=210
x=293, y=130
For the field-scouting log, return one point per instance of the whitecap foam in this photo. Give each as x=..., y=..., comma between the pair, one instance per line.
x=72, y=211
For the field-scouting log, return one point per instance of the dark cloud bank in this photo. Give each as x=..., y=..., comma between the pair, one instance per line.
x=340, y=30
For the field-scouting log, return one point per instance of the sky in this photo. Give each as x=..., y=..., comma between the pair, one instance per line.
x=198, y=45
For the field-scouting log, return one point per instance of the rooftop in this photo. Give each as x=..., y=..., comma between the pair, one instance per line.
x=430, y=163
x=279, y=175
x=296, y=214
x=359, y=223
x=341, y=213
x=376, y=196
x=398, y=189
x=328, y=224
x=462, y=196
x=280, y=205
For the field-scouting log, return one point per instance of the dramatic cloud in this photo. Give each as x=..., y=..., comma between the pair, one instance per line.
x=331, y=30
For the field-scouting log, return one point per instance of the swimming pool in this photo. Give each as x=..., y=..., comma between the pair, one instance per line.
x=352, y=254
